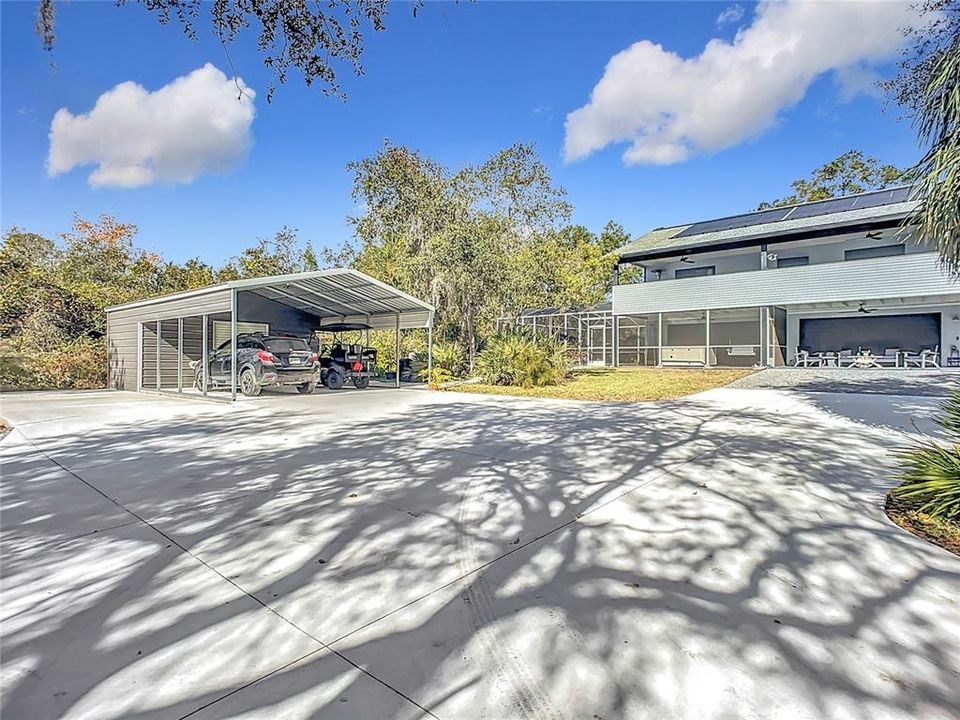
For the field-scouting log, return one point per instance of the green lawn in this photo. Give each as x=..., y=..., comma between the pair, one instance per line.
x=605, y=384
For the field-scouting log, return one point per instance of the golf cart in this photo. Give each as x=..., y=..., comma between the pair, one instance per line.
x=345, y=357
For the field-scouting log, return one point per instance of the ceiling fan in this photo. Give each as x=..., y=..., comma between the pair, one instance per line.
x=685, y=259
x=874, y=235
x=862, y=308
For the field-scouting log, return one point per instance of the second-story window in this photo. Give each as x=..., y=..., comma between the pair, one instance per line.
x=793, y=261
x=874, y=252
x=695, y=271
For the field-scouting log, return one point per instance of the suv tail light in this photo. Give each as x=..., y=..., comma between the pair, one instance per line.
x=357, y=367
x=265, y=356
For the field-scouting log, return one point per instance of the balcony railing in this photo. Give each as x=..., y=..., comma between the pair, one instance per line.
x=913, y=275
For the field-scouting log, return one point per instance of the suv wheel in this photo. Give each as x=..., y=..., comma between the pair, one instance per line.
x=360, y=382
x=334, y=380
x=248, y=383
x=306, y=388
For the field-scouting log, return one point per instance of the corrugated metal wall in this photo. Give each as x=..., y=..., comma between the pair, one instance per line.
x=889, y=277
x=148, y=367
x=122, y=337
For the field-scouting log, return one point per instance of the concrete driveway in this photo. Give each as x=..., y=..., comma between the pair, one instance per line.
x=410, y=554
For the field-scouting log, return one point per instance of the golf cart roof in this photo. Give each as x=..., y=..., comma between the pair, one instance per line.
x=343, y=327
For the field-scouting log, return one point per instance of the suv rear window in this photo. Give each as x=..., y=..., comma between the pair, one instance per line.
x=285, y=345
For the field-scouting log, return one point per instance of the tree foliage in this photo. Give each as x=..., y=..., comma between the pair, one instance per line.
x=928, y=87
x=478, y=242
x=847, y=174
x=312, y=38
x=53, y=294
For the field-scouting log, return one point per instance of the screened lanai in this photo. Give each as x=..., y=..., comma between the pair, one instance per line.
x=731, y=337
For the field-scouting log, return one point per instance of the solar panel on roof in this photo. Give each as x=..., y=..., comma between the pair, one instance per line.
x=796, y=212
x=735, y=221
x=824, y=207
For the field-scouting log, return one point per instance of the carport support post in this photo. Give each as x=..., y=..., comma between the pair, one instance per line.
x=430, y=351
x=234, y=351
x=179, y=355
x=159, y=327
x=397, y=348
x=205, y=355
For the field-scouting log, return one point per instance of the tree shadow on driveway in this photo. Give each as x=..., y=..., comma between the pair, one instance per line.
x=714, y=557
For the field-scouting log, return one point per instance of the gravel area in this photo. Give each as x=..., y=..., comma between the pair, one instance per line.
x=871, y=381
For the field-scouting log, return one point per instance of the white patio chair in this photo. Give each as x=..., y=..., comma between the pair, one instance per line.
x=846, y=358
x=930, y=357
x=890, y=358
x=804, y=359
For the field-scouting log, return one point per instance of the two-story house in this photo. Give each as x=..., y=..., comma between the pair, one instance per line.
x=839, y=275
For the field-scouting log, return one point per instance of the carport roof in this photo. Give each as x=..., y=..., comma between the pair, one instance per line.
x=339, y=293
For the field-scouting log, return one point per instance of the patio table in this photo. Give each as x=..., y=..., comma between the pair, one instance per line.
x=865, y=360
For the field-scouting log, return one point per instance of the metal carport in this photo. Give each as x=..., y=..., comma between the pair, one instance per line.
x=155, y=336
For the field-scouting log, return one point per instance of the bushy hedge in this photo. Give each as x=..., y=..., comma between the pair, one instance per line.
x=79, y=364
x=523, y=358
x=931, y=468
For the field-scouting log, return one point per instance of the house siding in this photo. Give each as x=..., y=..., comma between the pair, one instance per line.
x=914, y=275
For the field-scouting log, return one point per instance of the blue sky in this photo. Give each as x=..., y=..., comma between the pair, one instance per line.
x=458, y=82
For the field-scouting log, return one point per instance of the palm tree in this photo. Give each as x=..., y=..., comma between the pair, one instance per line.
x=929, y=85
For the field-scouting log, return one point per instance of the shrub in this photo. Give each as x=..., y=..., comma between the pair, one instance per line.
x=525, y=359
x=75, y=364
x=437, y=377
x=931, y=469
x=450, y=356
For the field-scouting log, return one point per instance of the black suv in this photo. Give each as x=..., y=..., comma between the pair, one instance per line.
x=263, y=360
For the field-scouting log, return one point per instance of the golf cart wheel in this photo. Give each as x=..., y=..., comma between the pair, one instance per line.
x=361, y=382
x=248, y=383
x=334, y=380
x=306, y=388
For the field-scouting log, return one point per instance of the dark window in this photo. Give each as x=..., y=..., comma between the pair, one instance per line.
x=793, y=261
x=285, y=345
x=874, y=252
x=695, y=271
x=248, y=343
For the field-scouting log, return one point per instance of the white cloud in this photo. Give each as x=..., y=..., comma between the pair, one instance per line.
x=858, y=80
x=669, y=108
x=192, y=126
x=730, y=15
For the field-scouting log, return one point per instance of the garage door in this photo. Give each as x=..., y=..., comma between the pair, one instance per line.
x=871, y=332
